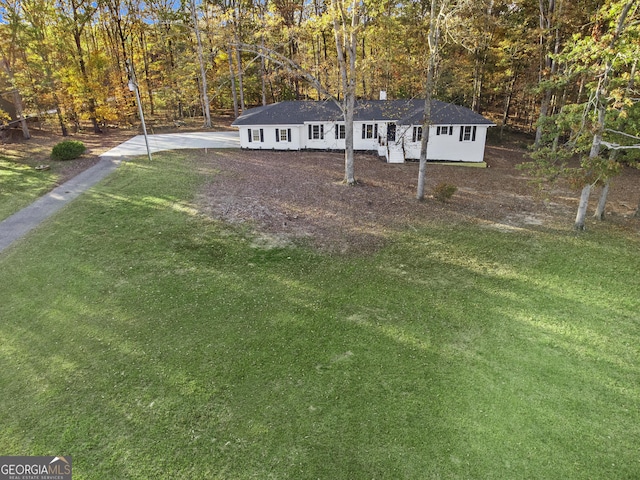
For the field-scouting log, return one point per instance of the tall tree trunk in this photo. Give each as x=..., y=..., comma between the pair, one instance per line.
x=582, y=207
x=232, y=76
x=558, y=108
x=348, y=76
x=507, y=104
x=20, y=114
x=91, y=101
x=433, y=40
x=147, y=76
x=236, y=36
x=63, y=126
x=203, y=71
x=602, y=202
x=263, y=73
x=240, y=78
x=549, y=64
x=17, y=100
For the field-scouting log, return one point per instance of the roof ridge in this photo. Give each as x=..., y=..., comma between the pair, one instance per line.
x=404, y=111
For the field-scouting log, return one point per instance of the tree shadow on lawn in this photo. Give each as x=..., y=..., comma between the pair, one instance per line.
x=436, y=356
x=275, y=367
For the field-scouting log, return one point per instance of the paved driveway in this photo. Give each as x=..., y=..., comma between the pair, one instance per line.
x=175, y=141
x=20, y=223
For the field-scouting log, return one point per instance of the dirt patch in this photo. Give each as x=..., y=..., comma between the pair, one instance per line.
x=290, y=196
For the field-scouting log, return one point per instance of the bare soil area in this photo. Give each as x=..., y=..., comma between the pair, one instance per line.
x=288, y=196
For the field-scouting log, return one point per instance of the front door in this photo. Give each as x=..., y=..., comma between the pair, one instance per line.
x=391, y=132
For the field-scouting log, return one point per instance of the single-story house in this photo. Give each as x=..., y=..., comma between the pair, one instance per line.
x=393, y=128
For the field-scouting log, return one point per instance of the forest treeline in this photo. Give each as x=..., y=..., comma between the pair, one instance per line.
x=566, y=69
x=502, y=57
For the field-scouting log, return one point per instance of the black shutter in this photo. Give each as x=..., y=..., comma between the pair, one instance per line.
x=288, y=135
x=337, y=128
x=310, y=134
x=261, y=135
x=473, y=135
x=450, y=129
x=415, y=131
x=461, y=132
x=375, y=131
x=364, y=128
x=321, y=132
x=277, y=135
x=250, y=139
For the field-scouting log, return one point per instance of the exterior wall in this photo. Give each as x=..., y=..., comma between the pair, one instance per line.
x=448, y=147
x=441, y=147
x=371, y=132
x=328, y=142
x=269, y=137
x=331, y=143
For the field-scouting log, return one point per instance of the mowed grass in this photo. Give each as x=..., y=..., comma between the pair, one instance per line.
x=148, y=341
x=20, y=185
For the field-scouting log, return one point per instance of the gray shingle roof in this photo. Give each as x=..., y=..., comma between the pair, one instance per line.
x=405, y=112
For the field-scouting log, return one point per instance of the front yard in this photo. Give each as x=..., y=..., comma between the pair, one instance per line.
x=174, y=322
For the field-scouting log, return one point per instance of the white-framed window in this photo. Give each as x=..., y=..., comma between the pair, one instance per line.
x=417, y=134
x=256, y=135
x=340, y=132
x=316, y=132
x=283, y=134
x=468, y=133
x=370, y=130
x=448, y=130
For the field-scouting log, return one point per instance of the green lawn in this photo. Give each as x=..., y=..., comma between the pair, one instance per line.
x=147, y=341
x=20, y=185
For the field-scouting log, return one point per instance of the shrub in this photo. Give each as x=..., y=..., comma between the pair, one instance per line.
x=444, y=191
x=67, y=150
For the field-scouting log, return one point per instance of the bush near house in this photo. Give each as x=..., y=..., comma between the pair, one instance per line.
x=67, y=150
x=444, y=191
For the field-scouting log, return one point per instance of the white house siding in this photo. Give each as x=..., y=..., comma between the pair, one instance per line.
x=328, y=142
x=268, y=137
x=371, y=132
x=448, y=147
x=441, y=147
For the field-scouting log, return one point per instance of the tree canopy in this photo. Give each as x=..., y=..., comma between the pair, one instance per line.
x=513, y=59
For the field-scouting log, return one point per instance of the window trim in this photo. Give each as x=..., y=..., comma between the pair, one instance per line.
x=468, y=133
x=417, y=134
x=369, y=131
x=283, y=135
x=316, y=131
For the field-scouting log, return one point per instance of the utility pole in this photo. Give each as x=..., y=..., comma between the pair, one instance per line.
x=133, y=86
